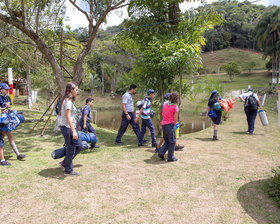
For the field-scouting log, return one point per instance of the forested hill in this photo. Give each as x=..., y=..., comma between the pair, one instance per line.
x=237, y=29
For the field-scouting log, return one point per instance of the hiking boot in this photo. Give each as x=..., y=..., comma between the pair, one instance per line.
x=179, y=148
x=5, y=163
x=21, y=156
x=72, y=173
x=215, y=138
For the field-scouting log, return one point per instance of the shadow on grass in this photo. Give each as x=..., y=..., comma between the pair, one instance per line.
x=240, y=132
x=205, y=139
x=56, y=173
x=254, y=199
x=155, y=160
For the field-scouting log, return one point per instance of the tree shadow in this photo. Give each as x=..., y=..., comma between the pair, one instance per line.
x=155, y=160
x=56, y=173
x=205, y=139
x=254, y=199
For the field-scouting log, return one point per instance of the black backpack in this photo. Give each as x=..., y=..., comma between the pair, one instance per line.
x=252, y=102
x=212, y=100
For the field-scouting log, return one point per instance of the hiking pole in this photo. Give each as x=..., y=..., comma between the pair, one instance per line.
x=44, y=114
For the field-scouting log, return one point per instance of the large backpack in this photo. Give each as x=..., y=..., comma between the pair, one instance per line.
x=213, y=99
x=252, y=102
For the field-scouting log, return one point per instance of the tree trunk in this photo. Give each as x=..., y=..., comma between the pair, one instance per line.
x=180, y=96
x=102, y=80
x=28, y=83
x=279, y=69
x=161, y=88
x=274, y=73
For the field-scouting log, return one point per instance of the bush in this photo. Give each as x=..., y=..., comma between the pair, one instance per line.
x=274, y=185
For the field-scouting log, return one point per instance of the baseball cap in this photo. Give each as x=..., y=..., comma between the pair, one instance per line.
x=166, y=96
x=150, y=91
x=4, y=86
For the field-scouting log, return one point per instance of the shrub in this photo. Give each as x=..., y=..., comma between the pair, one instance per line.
x=274, y=185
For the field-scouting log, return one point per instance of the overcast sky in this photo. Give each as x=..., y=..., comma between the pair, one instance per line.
x=77, y=19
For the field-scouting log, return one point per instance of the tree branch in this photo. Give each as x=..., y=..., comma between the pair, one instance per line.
x=77, y=7
x=23, y=12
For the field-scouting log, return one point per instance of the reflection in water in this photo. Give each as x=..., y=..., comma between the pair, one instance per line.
x=111, y=119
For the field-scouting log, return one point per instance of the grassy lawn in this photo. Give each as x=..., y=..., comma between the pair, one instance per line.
x=213, y=182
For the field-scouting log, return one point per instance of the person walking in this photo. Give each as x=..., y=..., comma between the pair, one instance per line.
x=251, y=105
x=177, y=146
x=216, y=120
x=5, y=105
x=145, y=113
x=69, y=130
x=84, y=122
x=169, y=119
x=128, y=116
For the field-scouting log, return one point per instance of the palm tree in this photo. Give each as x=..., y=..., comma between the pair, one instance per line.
x=268, y=37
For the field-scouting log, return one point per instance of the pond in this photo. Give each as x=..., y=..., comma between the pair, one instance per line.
x=111, y=119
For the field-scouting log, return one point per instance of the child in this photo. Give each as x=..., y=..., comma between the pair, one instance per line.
x=145, y=113
x=84, y=122
x=3, y=162
x=5, y=104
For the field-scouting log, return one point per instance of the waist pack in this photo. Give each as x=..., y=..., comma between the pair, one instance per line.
x=212, y=114
x=10, y=121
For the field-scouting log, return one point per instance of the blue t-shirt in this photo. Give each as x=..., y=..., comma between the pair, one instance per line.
x=86, y=111
x=146, y=108
x=4, y=100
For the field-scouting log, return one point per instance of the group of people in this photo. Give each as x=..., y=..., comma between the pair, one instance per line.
x=168, y=116
x=251, y=105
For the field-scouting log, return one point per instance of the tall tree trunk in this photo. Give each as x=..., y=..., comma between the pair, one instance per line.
x=161, y=88
x=102, y=80
x=274, y=74
x=180, y=96
x=279, y=69
x=28, y=83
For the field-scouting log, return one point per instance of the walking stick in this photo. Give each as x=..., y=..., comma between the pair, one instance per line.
x=44, y=114
x=47, y=122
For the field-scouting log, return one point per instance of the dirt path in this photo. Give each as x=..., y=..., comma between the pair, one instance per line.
x=213, y=182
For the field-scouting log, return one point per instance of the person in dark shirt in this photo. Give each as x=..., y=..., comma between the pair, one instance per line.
x=84, y=122
x=5, y=104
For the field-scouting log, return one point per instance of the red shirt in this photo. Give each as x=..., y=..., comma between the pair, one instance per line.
x=168, y=113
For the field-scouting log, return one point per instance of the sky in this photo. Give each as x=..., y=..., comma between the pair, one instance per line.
x=116, y=17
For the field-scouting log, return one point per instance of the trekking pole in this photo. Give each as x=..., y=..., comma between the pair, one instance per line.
x=44, y=114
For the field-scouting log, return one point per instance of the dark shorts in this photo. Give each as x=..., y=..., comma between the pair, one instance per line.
x=1, y=140
x=217, y=120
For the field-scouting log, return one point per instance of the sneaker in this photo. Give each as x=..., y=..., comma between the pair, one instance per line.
x=251, y=133
x=5, y=163
x=215, y=138
x=179, y=148
x=118, y=143
x=144, y=140
x=156, y=150
x=61, y=164
x=21, y=156
x=142, y=144
x=73, y=173
x=173, y=160
x=154, y=145
x=161, y=156
x=96, y=146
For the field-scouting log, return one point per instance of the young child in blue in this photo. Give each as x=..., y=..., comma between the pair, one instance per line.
x=84, y=122
x=5, y=105
x=145, y=113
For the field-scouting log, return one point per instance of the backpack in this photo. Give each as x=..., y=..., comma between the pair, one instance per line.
x=212, y=100
x=252, y=102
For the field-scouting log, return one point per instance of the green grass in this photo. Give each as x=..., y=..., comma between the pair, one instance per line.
x=213, y=61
